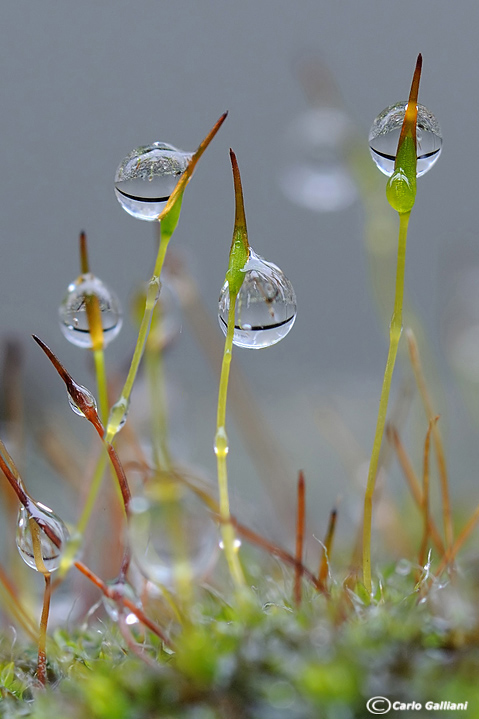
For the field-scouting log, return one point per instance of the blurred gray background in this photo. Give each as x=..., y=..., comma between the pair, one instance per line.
x=84, y=83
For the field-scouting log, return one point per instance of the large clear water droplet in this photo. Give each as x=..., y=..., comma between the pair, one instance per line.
x=46, y=521
x=265, y=306
x=73, y=314
x=316, y=175
x=146, y=178
x=173, y=534
x=384, y=138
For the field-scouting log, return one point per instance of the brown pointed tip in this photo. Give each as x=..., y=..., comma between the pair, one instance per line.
x=240, y=217
x=415, y=80
x=84, y=263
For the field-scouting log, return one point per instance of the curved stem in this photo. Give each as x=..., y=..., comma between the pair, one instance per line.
x=221, y=451
x=151, y=299
x=395, y=330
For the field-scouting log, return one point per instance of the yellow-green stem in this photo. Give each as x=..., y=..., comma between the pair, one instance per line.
x=159, y=423
x=42, y=636
x=93, y=492
x=101, y=383
x=151, y=299
x=221, y=450
x=395, y=330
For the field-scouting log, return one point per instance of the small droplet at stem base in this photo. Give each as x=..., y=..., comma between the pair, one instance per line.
x=221, y=451
x=395, y=330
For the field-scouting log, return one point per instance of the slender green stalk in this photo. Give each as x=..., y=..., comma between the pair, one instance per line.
x=221, y=451
x=93, y=493
x=159, y=422
x=394, y=337
x=401, y=195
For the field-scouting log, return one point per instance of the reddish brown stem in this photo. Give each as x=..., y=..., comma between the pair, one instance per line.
x=111, y=594
x=425, y=498
x=327, y=547
x=413, y=483
x=300, y=519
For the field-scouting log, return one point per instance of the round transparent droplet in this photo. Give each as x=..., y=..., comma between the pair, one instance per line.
x=113, y=605
x=173, y=535
x=46, y=521
x=73, y=311
x=384, y=138
x=265, y=305
x=89, y=398
x=146, y=178
x=315, y=174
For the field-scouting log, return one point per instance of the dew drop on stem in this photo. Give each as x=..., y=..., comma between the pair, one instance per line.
x=146, y=178
x=265, y=305
x=73, y=314
x=113, y=605
x=46, y=521
x=88, y=397
x=385, y=132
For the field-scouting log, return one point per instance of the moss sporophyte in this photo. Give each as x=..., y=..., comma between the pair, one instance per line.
x=173, y=639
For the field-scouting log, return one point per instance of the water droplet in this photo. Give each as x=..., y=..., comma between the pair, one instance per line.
x=119, y=414
x=173, y=534
x=73, y=313
x=46, y=521
x=384, y=138
x=265, y=306
x=316, y=175
x=146, y=178
x=115, y=608
x=88, y=397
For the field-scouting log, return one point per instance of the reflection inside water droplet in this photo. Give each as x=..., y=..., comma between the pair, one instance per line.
x=46, y=521
x=146, y=178
x=384, y=138
x=265, y=306
x=73, y=314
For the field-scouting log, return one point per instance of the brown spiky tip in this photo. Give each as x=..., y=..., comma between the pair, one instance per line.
x=410, y=116
x=84, y=263
x=190, y=168
x=240, y=217
x=79, y=394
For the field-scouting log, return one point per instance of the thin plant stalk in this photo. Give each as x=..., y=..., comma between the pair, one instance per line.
x=413, y=484
x=327, y=548
x=40, y=565
x=168, y=221
x=436, y=435
x=159, y=423
x=239, y=253
x=221, y=451
x=425, y=498
x=300, y=521
x=401, y=194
